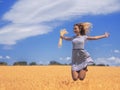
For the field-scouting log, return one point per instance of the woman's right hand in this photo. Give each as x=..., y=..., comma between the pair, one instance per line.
x=63, y=31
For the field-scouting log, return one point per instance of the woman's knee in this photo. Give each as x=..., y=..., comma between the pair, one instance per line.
x=82, y=74
x=74, y=75
x=75, y=78
x=81, y=78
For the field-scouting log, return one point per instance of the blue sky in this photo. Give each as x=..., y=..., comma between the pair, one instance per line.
x=29, y=29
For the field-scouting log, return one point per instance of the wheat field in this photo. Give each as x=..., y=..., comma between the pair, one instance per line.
x=57, y=78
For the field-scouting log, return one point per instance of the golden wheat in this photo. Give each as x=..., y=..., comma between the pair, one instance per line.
x=57, y=78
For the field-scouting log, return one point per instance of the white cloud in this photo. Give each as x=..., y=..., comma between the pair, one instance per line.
x=5, y=57
x=1, y=57
x=44, y=62
x=60, y=58
x=30, y=17
x=68, y=58
x=10, y=34
x=116, y=51
x=65, y=58
x=110, y=60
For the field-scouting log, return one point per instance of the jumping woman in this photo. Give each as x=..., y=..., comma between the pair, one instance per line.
x=80, y=57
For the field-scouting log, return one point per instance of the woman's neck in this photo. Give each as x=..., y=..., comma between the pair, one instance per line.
x=78, y=34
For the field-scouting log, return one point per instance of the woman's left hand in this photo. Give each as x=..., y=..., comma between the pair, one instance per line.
x=107, y=34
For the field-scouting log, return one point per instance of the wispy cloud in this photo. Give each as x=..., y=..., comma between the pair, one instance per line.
x=65, y=58
x=1, y=57
x=30, y=17
x=116, y=51
x=109, y=60
x=5, y=57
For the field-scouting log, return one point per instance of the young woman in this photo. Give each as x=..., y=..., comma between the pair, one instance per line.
x=80, y=57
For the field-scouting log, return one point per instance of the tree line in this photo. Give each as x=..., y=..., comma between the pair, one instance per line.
x=53, y=62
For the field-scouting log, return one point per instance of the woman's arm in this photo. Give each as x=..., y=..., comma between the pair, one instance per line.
x=62, y=33
x=98, y=37
x=66, y=38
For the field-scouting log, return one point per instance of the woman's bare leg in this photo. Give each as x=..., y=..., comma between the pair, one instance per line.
x=82, y=74
x=74, y=75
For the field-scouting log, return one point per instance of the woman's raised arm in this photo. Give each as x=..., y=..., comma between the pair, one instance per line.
x=98, y=37
x=62, y=33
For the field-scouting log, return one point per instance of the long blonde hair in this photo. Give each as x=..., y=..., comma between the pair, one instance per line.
x=84, y=27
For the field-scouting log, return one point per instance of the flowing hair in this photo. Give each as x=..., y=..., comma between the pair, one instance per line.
x=84, y=27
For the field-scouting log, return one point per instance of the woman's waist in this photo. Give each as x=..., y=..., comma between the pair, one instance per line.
x=78, y=49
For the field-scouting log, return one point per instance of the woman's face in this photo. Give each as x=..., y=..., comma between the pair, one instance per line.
x=76, y=29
